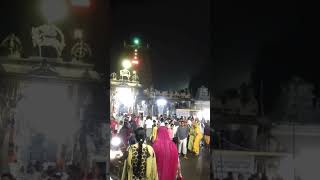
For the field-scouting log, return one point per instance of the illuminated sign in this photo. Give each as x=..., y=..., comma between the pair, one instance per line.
x=135, y=62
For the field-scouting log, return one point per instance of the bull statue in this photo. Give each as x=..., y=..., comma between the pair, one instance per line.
x=48, y=35
x=125, y=73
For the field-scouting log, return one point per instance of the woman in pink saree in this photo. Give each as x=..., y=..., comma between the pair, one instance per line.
x=166, y=154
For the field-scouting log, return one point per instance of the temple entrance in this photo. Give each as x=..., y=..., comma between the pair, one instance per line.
x=46, y=120
x=44, y=101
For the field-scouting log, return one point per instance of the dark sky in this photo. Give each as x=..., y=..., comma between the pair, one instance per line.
x=265, y=37
x=218, y=43
x=178, y=32
x=247, y=33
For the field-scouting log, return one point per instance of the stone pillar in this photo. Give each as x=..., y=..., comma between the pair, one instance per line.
x=10, y=97
x=82, y=98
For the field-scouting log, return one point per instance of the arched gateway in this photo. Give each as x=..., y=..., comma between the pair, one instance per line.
x=43, y=103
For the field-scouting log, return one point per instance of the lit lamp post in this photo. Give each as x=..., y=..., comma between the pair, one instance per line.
x=126, y=64
x=129, y=95
x=136, y=41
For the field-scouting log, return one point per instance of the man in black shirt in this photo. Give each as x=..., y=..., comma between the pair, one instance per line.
x=182, y=134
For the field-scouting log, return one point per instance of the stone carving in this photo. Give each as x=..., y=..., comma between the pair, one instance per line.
x=170, y=94
x=80, y=51
x=203, y=93
x=165, y=93
x=44, y=68
x=48, y=35
x=114, y=76
x=158, y=93
x=125, y=73
x=86, y=74
x=13, y=44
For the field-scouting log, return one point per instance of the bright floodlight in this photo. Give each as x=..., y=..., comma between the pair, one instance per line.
x=199, y=115
x=125, y=96
x=113, y=154
x=54, y=10
x=161, y=102
x=126, y=64
x=115, y=141
x=206, y=113
x=136, y=41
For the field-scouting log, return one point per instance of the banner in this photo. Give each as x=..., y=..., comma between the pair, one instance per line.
x=224, y=163
x=182, y=112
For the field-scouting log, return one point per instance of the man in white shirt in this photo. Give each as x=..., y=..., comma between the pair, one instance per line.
x=45, y=166
x=148, y=126
x=175, y=128
x=120, y=126
x=14, y=170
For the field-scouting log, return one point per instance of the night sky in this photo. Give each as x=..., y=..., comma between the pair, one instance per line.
x=177, y=31
x=220, y=43
x=251, y=34
x=263, y=39
x=215, y=43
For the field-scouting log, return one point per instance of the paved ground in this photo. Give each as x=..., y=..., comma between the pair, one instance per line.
x=196, y=168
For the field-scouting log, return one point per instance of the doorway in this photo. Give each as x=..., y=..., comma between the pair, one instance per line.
x=45, y=120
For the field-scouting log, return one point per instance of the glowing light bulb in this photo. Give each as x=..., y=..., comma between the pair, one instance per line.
x=126, y=64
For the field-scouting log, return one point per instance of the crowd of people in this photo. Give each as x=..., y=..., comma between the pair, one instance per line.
x=154, y=146
x=37, y=170
x=255, y=176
